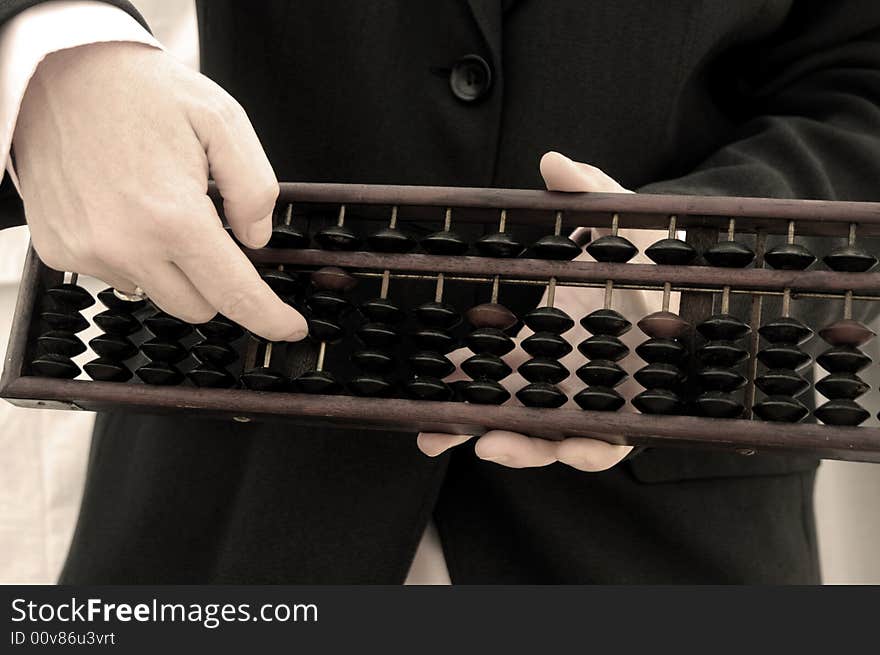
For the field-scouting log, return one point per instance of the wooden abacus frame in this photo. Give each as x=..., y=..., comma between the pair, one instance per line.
x=702, y=217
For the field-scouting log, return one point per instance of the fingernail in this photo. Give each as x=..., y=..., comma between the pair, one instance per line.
x=297, y=335
x=258, y=234
x=497, y=459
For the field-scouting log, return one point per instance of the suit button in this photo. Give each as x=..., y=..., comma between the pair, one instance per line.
x=470, y=78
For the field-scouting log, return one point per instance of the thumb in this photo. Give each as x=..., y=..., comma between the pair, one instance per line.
x=563, y=174
x=239, y=166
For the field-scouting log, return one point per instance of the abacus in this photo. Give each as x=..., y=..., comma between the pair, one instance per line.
x=422, y=301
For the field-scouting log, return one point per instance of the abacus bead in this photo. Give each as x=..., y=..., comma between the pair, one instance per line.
x=717, y=404
x=843, y=359
x=548, y=319
x=337, y=238
x=214, y=352
x=64, y=320
x=841, y=412
x=159, y=373
x=789, y=257
x=723, y=327
x=546, y=344
x=70, y=296
x=729, y=254
x=602, y=373
x=785, y=330
x=781, y=382
x=287, y=236
x=374, y=361
x=163, y=351
x=612, y=248
x=484, y=392
x=659, y=376
x=263, y=379
x=431, y=363
x=781, y=408
x=720, y=353
x=438, y=315
x=370, y=385
x=602, y=346
x=491, y=315
x=382, y=310
x=555, y=247
x=167, y=326
x=211, y=376
x=323, y=329
x=541, y=394
x=664, y=325
x=486, y=366
x=111, y=301
x=721, y=379
x=490, y=340
x=606, y=321
x=846, y=332
x=113, y=346
x=434, y=339
x=281, y=282
x=320, y=382
x=599, y=399
x=114, y=322
x=783, y=355
x=221, y=328
x=543, y=369
x=674, y=252
x=61, y=342
x=657, y=401
x=390, y=239
x=656, y=349
x=842, y=385
x=444, y=242
x=107, y=370
x=498, y=244
x=328, y=304
x=54, y=365
x=333, y=278
x=377, y=335
x=850, y=259
x=428, y=388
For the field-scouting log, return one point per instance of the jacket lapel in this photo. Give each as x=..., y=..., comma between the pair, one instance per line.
x=488, y=15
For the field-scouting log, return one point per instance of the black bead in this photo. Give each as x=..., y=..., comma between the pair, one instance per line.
x=164, y=351
x=842, y=385
x=674, y=252
x=337, y=238
x=432, y=364
x=328, y=304
x=281, y=282
x=382, y=310
x=843, y=359
x=668, y=351
x=657, y=401
x=484, y=392
x=729, y=254
x=113, y=322
x=61, y=342
x=789, y=257
x=548, y=319
x=841, y=412
x=428, y=388
x=785, y=330
x=724, y=354
x=601, y=373
x=438, y=315
x=541, y=394
x=606, y=321
x=717, y=404
x=55, y=365
x=370, y=385
x=319, y=382
x=498, y=244
x=107, y=370
x=220, y=328
x=783, y=355
x=723, y=327
x=166, y=326
x=159, y=373
x=780, y=408
x=390, y=239
x=850, y=259
x=64, y=320
x=546, y=344
x=555, y=247
x=659, y=376
x=378, y=335
x=113, y=346
x=543, y=369
x=70, y=296
x=287, y=236
x=374, y=361
x=490, y=340
x=214, y=352
x=444, y=243
x=720, y=379
x=486, y=366
x=491, y=314
x=602, y=346
x=599, y=399
x=781, y=382
x=434, y=339
x=612, y=248
x=211, y=376
x=323, y=329
x=847, y=332
x=263, y=378
x=111, y=301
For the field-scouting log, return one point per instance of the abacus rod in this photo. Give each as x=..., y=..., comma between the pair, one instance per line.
x=288, y=214
x=267, y=355
x=757, y=302
x=322, y=350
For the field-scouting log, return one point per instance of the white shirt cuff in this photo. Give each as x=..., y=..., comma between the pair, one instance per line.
x=27, y=38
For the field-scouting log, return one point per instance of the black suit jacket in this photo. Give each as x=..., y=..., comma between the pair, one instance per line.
x=755, y=97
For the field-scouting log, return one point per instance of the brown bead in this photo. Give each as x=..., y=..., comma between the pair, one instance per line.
x=846, y=332
x=333, y=278
x=663, y=325
x=491, y=314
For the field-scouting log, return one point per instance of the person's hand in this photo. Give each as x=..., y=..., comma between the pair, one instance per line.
x=113, y=148
x=520, y=451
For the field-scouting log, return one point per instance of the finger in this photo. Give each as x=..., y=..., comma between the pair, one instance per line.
x=515, y=450
x=590, y=454
x=436, y=443
x=172, y=292
x=229, y=282
x=563, y=174
x=240, y=168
